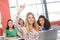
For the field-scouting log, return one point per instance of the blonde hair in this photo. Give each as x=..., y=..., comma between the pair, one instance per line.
x=28, y=25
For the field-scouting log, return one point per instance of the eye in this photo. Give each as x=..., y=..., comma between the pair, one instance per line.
x=29, y=17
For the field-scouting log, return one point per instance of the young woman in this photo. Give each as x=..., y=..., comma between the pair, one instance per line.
x=32, y=30
x=19, y=22
x=10, y=31
x=43, y=23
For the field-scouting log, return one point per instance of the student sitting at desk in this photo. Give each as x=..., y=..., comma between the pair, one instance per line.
x=10, y=31
x=19, y=22
x=43, y=23
x=32, y=29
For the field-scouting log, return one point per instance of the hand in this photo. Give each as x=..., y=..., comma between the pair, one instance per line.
x=22, y=7
x=6, y=39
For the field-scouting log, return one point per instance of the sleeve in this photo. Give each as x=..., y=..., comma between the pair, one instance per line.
x=16, y=19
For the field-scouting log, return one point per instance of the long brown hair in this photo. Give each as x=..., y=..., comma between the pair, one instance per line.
x=47, y=24
x=7, y=27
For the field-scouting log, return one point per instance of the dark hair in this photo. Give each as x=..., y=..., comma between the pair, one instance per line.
x=46, y=22
x=7, y=27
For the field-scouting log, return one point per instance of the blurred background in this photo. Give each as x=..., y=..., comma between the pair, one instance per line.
x=49, y=8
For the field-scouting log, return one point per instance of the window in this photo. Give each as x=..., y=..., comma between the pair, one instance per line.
x=53, y=7
x=34, y=6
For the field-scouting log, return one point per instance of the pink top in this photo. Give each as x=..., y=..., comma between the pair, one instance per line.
x=18, y=27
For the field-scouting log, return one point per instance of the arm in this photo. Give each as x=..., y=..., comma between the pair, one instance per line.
x=18, y=13
x=5, y=36
x=19, y=34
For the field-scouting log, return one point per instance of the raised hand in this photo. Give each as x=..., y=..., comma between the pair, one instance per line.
x=22, y=7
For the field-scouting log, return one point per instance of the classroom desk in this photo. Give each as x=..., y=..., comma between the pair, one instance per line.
x=58, y=37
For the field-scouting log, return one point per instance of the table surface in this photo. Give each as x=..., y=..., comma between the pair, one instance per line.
x=58, y=36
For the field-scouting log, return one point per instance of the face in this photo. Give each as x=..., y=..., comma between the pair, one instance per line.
x=30, y=19
x=10, y=24
x=21, y=22
x=41, y=20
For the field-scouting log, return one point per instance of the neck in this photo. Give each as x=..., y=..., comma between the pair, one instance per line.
x=10, y=28
x=31, y=26
x=42, y=26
